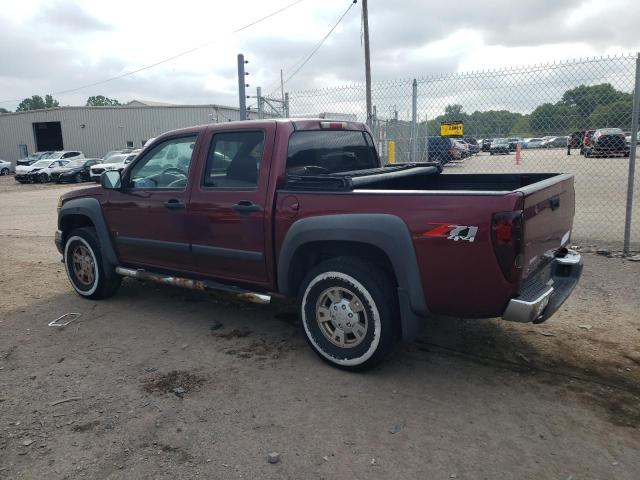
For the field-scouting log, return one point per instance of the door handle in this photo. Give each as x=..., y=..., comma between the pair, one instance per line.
x=174, y=204
x=246, y=206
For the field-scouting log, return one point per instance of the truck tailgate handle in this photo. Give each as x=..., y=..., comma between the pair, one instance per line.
x=174, y=204
x=246, y=206
x=554, y=203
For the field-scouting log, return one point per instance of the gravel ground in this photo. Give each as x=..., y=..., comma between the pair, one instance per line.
x=159, y=382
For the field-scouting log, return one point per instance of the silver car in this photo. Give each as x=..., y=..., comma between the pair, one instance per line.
x=6, y=167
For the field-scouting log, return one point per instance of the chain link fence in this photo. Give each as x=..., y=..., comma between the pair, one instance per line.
x=521, y=119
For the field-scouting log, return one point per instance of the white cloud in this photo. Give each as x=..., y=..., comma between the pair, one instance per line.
x=50, y=45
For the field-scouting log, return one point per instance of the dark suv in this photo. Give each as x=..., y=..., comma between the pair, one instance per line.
x=443, y=150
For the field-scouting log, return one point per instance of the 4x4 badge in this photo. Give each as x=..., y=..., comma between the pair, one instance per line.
x=465, y=233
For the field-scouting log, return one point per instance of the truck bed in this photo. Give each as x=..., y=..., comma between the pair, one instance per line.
x=415, y=177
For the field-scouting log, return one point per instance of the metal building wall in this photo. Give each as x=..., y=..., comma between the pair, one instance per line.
x=105, y=128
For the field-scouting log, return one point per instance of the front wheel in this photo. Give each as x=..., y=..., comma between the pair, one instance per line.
x=89, y=275
x=348, y=308
x=78, y=178
x=4, y=171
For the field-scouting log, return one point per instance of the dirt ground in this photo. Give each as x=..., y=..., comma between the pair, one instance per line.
x=159, y=382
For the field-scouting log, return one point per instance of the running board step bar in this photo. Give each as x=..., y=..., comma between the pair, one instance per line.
x=204, y=285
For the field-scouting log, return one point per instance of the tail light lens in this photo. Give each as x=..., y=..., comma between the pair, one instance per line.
x=507, y=233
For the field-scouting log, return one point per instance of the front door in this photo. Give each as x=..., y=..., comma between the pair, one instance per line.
x=148, y=216
x=228, y=207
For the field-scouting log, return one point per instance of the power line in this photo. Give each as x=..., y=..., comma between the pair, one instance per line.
x=168, y=59
x=317, y=46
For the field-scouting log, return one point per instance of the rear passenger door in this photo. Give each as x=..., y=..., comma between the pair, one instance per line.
x=229, y=209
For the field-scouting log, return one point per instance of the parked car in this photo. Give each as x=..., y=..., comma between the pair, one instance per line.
x=500, y=146
x=463, y=146
x=532, y=143
x=112, y=153
x=116, y=162
x=555, y=142
x=513, y=143
x=474, y=146
x=586, y=141
x=6, y=167
x=628, y=139
x=33, y=158
x=75, y=171
x=607, y=142
x=66, y=155
x=485, y=145
x=39, y=172
x=443, y=150
x=305, y=210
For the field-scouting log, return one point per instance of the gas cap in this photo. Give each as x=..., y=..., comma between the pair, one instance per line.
x=290, y=206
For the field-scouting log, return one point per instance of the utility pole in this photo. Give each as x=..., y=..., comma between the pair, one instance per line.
x=367, y=59
x=241, y=87
x=281, y=87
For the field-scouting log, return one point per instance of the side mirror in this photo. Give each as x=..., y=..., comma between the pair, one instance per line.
x=111, y=180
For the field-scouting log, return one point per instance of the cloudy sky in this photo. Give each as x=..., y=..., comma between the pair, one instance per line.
x=56, y=45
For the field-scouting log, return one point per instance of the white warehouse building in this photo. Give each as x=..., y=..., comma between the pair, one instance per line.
x=97, y=130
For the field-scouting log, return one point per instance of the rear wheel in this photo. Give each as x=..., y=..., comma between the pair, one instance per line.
x=348, y=309
x=42, y=177
x=4, y=171
x=89, y=275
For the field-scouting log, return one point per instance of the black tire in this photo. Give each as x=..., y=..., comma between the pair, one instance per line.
x=42, y=178
x=374, y=304
x=105, y=280
x=78, y=178
x=4, y=171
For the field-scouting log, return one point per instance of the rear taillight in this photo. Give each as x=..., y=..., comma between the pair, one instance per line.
x=507, y=233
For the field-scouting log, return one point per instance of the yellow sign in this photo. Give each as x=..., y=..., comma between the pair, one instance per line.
x=451, y=129
x=391, y=148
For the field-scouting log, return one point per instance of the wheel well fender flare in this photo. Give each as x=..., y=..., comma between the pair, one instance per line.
x=387, y=232
x=91, y=209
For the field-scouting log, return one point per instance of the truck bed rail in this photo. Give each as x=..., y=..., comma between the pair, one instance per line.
x=347, y=181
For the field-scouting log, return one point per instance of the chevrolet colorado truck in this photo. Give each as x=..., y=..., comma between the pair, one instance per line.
x=304, y=209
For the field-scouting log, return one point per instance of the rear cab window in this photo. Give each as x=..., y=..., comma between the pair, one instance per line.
x=318, y=152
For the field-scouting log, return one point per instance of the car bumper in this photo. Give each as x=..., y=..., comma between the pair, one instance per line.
x=58, y=240
x=543, y=295
x=23, y=177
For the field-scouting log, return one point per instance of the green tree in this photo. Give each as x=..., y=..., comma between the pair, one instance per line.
x=584, y=100
x=617, y=114
x=550, y=119
x=102, y=101
x=521, y=128
x=4, y=110
x=453, y=112
x=36, y=102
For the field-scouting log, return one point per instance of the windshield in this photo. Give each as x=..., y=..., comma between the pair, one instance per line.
x=110, y=154
x=76, y=163
x=325, y=152
x=42, y=163
x=117, y=158
x=55, y=155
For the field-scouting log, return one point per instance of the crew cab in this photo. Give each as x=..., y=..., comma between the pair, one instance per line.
x=304, y=209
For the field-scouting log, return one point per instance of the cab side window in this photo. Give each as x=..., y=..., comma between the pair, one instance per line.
x=164, y=167
x=234, y=160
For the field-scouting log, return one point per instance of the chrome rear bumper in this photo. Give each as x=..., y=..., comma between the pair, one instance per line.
x=552, y=289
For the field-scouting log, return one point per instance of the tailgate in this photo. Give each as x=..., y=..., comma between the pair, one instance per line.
x=549, y=206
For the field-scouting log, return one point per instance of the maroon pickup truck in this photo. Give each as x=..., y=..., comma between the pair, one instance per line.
x=304, y=209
